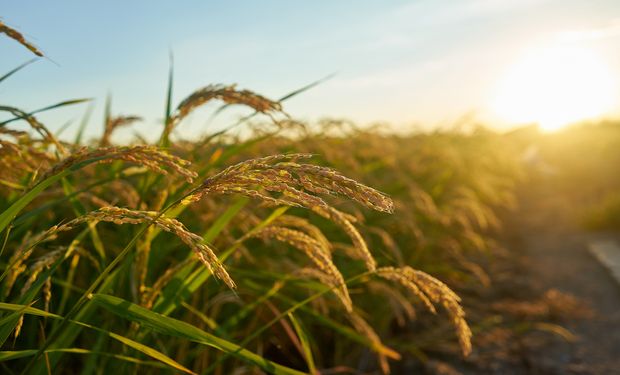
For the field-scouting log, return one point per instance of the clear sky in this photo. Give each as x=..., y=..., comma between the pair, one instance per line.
x=405, y=62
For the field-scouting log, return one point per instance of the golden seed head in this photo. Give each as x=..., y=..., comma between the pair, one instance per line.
x=150, y=157
x=432, y=291
x=18, y=37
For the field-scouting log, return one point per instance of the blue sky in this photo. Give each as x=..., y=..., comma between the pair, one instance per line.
x=403, y=62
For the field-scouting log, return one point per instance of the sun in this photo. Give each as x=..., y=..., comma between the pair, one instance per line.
x=555, y=86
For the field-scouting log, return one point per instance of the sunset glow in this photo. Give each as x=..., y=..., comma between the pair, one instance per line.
x=554, y=87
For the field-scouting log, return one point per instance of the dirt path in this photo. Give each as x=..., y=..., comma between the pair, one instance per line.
x=555, y=255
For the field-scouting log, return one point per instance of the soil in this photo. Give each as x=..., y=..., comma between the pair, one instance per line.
x=548, y=252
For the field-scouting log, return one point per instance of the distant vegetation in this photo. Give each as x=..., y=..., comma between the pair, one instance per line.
x=586, y=159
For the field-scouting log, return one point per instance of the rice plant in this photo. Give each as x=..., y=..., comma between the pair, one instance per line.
x=108, y=251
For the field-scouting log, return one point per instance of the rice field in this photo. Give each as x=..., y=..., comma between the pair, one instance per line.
x=295, y=248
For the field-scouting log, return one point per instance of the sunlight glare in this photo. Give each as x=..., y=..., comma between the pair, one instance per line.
x=555, y=86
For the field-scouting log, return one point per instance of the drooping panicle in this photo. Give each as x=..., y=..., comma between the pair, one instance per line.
x=19, y=38
x=150, y=157
x=281, y=180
